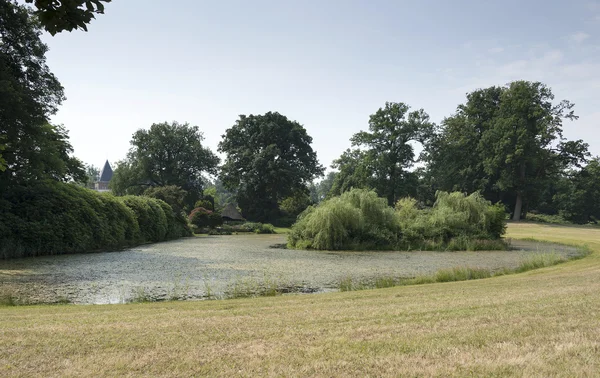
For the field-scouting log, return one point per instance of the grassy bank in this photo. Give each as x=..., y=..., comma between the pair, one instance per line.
x=540, y=323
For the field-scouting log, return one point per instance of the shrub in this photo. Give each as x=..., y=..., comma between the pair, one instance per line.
x=151, y=218
x=257, y=228
x=545, y=218
x=173, y=195
x=455, y=219
x=357, y=219
x=201, y=218
x=204, y=203
x=57, y=218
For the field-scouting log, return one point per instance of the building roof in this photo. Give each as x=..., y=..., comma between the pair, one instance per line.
x=106, y=173
x=230, y=212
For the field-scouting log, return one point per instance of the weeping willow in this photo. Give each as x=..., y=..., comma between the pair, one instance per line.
x=359, y=219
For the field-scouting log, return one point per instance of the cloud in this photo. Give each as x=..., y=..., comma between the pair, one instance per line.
x=578, y=37
x=496, y=50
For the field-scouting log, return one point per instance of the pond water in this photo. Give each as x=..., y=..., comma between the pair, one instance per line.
x=216, y=266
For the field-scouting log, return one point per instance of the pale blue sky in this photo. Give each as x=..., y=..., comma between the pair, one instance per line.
x=326, y=64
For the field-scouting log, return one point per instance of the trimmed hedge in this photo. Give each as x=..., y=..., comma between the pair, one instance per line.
x=49, y=218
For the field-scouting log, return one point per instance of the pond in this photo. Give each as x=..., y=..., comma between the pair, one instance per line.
x=217, y=266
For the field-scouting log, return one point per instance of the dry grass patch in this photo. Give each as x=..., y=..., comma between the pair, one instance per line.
x=540, y=323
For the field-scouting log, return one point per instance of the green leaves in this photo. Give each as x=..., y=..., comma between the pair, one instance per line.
x=268, y=159
x=166, y=154
x=59, y=15
x=507, y=142
x=386, y=152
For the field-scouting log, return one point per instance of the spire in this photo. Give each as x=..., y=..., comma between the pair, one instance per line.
x=106, y=173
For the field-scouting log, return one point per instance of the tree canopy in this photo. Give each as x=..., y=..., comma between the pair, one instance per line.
x=506, y=142
x=60, y=15
x=269, y=158
x=387, y=153
x=166, y=154
x=31, y=148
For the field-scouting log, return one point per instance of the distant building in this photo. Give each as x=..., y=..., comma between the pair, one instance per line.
x=105, y=175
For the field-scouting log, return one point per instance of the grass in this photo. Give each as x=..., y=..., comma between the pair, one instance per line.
x=536, y=261
x=544, y=322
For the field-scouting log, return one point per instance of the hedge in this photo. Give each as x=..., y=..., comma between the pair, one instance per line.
x=49, y=218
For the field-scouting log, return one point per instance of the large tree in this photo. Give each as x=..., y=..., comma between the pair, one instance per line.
x=386, y=153
x=506, y=142
x=269, y=158
x=454, y=152
x=166, y=154
x=60, y=15
x=526, y=145
x=32, y=149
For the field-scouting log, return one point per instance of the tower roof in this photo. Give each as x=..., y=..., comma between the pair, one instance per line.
x=106, y=173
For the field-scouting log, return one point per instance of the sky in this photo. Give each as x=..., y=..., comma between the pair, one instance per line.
x=326, y=64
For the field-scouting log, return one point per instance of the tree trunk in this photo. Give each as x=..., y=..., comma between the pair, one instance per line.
x=519, y=204
x=518, y=208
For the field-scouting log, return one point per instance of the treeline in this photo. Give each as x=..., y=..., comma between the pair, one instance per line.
x=504, y=142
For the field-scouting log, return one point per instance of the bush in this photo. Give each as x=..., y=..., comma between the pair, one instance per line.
x=545, y=218
x=201, y=218
x=357, y=219
x=455, y=220
x=173, y=195
x=57, y=218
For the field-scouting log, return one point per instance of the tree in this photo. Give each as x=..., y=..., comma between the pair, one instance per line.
x=60, y=15
x=578, y=195
x=506, y=142
x=32, y=149
x=269, y=158
x=454, y=152
x=173, y=195
x=92, y=175
x=388, y=152
x=320, y=190
x=354, y=172
x=526, y=145
x=166, y=154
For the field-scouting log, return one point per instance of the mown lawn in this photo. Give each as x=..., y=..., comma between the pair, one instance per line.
x=543, y=323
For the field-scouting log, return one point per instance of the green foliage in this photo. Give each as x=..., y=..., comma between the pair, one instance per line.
x=254, y=227
x=204, y=203
x=540, y=260
x=462, y=274
x=171, y=194
x=269, y=158
x=578, y=194
x=357, y=219
x=293, y=205
x=456, y=221
x=546, y=218
x=30, y=94
x=388, y=149
x=258, y=228
x=506, y=142
x=166, y=154
x=201, y=218
x=57, y=16
x=55, y=218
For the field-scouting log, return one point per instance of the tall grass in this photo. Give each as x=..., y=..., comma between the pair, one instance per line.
x=535, y=261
